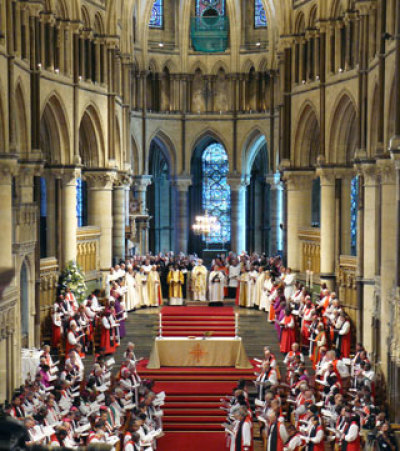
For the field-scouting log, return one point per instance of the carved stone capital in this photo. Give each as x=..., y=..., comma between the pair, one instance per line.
x=386, y=170
x=236, y=182
x=67, y=176
x=8, y=168
x=182, y=183
x=141, y=182
x=327, y=176
x=122, y=180
x=298, y=180
x=369, y=172
x=100, y=180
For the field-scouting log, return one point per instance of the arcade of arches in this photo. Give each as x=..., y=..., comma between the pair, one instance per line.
x=115, y=134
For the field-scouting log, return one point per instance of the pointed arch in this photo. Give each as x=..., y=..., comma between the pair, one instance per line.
x=85, y=18
x=307, y=137
x=91, y=138
x=136, y=160
x=99, y=25
x=117, y=143
x=198, y=65
x=313, y=17
x=168, y=147
x=21, y=123
x=218, y=66
x=254, y=143
x=343, y=135
x=206, y=137
x=300, y=23
x=54, y=131
x=247, y=66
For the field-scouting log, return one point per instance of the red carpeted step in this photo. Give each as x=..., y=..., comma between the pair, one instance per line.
x=205, y=327
x=196, y=334
x=194, y=388
x=193, y=405
x=215, y=378
x=190, y=398
x=194, y=412
x=191, y=427
x=198, y=419
x=193, y=441
x=228, y=371
x=196, y=311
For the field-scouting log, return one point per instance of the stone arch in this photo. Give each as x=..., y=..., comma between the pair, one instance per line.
x=170, y=65
x=336, y=9
x=198, y=65
x=21, y=123
x=300, y=23
x=153, y=66
x=218, y=66
x=99, y=24
x=263, y=65
x=166, y=144
x=85, y=18
x=391, y=114
x=307, y=138
x=136, y=161
x=313, y=17
x=91, y=139
x=206, y=137
x=117, y=143
x=247, y=66
x=54, y=132
x=253, y=144
x=343, y=135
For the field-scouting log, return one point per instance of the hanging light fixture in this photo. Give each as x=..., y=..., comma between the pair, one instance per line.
x=206, y=225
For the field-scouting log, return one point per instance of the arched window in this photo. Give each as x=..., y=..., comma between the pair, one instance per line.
x=203, y=5
x=354, y=213
x=81, y=202
x=157, y=14
x=260, y=18
x=216, y=195
x=43, y=218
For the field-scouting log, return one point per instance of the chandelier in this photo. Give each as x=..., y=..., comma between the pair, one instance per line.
x=206, y=225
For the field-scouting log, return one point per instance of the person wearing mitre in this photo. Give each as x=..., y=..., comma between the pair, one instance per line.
x=199, y=281
x=154, y=288
x=175, y=281
x=216, y=284
x=266, y=288
x=141, y=287
x=258, y=287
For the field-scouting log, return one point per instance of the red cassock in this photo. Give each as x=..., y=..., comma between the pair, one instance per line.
x=107, y=340
x=355, y=445
x=55, y=335
x=345, y=345
x=288, y=335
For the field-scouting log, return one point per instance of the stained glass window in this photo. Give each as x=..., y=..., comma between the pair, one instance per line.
x=81, y=202
x=216, y=196
x=157, y=14
x=43, y=197
x=260, y=18
x=202, y=5
x=354, y=212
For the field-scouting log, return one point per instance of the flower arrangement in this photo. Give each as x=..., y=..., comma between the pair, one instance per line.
x=73, y=278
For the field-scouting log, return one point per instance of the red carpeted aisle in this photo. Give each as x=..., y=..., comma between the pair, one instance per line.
x=184, y=321
x=192, y=415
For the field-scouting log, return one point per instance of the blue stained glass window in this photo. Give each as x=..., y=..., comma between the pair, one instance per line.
x=260, y=18
x=43, y=197
x=81, y=202
x=157, y=14
x=354, y=213
x=216, y=195
x=202, y=5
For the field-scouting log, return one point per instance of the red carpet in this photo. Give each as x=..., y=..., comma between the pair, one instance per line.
x=192, y=414
x=195, y=321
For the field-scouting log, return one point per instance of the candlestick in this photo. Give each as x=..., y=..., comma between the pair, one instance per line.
x=236, y=324
x=311, y=279
x=160, y=325
x=307, y=277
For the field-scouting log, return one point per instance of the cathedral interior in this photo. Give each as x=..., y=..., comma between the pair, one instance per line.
x=117, y=116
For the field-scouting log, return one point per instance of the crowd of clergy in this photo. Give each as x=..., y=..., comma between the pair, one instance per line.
x=66, y=406
x=321, y=397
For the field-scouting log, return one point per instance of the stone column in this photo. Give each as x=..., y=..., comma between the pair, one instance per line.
x=141, y=184
x=7, y=170
x=345, y=215
x=68, y=215
x=100, y=211
x=119, y=218
x=182, y=216
x=51, y=215
x=298, y=188
x=370, y=252
x=275, y=212
x=388, y=255
x=238, y=213
x=328, y=214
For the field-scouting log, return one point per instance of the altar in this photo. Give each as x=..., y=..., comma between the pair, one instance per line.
x=199, y=351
